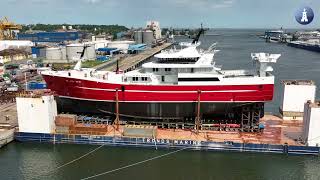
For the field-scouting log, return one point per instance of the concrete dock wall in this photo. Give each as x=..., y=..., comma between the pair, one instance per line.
x=6, y=136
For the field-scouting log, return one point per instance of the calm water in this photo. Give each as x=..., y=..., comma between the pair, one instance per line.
x=29, y=160
x=38, y=161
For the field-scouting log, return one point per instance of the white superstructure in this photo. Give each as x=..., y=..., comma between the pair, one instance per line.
x=311, y=124
x=295, y=94
x=187, y=65
x=180, y=65
x=36, y=114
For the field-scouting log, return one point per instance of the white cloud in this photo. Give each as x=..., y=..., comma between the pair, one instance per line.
x=92, y=1
x=204, y=3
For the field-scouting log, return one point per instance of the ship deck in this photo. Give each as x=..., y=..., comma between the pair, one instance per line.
x=277, y=131
x=278, y=137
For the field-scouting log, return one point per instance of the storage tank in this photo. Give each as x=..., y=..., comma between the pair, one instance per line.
x=63, y=52
x=90, y=53
x=53, y=53
x=138, y=37
x=74, y=52
x=42, y=52
x=148, y=37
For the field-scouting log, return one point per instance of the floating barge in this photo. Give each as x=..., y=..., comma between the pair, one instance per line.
x=277, y=137
x=315, y=46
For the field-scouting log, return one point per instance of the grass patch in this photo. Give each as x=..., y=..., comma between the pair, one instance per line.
x=85, y=64
x=62, y=66
x=90, y=64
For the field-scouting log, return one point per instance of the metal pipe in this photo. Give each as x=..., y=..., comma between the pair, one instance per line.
x=116, y=121
x=197, y=123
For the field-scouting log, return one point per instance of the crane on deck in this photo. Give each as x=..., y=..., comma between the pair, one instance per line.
x=8, y=28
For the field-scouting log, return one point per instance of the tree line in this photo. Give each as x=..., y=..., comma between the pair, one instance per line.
x=94, y=29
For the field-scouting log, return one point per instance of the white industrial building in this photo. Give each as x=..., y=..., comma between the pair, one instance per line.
x=36, y=114
x=100, y=43
x=9, y=44
x=311, y=124
x=295, y=94
x=155, y=27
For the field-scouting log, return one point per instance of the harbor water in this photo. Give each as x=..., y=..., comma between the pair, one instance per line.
x=40, y=161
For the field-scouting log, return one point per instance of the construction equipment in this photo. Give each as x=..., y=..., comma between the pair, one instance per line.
x=7, y=29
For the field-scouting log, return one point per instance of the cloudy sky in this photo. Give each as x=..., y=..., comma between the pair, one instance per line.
x=170, y=13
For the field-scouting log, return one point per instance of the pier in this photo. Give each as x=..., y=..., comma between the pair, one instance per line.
x=128, y=63
x=8, y=122
x=6, y=136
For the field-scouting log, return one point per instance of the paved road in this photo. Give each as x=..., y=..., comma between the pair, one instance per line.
x=110, y=62
x=131, y=62
x=128, y=62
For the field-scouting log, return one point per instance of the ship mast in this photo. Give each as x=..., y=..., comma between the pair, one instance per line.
x=79, y=63
x=196, y=39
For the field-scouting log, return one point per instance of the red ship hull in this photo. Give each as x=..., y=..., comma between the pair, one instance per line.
x=97, y=91
x=152, y=101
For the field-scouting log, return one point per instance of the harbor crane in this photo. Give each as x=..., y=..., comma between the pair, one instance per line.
x=8, y=28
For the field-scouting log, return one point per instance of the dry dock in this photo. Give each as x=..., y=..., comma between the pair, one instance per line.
x=131, y=62
x=276, y=132
x=277, y=137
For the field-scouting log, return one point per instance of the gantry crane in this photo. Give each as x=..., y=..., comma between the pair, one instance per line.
x=7, y=28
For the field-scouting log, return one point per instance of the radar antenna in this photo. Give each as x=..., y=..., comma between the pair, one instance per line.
x=196, y=39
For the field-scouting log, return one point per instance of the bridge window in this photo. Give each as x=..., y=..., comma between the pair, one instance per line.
x=167, y=69
x=155, y=69
x=199, y=79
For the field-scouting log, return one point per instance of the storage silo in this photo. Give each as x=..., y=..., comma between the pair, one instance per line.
x=138, y=37
x=90, y=53
x=42, y=52
x=74, y=52
x=148, y=37
x=63, y=52
x=53, y=53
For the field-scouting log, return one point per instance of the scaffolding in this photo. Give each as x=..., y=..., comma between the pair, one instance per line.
x=250, y=116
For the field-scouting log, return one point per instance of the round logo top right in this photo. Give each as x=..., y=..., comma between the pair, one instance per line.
x=304, y=15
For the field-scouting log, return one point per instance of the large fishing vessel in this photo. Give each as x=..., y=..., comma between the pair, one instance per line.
x=169, y=87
